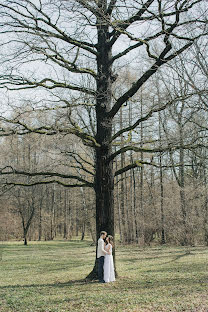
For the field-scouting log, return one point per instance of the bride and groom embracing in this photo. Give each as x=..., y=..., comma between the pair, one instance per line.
x=106, y=272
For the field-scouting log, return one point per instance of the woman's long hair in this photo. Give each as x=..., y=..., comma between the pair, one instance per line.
x=110, y=238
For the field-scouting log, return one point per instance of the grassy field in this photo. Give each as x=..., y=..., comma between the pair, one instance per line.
x=49, y=277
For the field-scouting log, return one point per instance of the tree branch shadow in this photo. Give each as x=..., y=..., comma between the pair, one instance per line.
x=179, y=257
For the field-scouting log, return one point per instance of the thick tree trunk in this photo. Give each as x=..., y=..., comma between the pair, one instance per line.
x=104, y=176
x=104, y=184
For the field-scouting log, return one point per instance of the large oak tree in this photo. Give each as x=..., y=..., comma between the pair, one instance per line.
x=72, y=48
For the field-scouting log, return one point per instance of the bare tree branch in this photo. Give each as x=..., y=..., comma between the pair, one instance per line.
x=155, y=150
x=47, y=182
x=135, y=87
x=149, y=115
x=48, y=130
x=12, y=171
x=23, y=21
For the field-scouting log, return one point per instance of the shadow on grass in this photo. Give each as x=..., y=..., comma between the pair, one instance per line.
x=177, y=258
x=47, y=245
x=158, y=256
x=133, y=260
x=56, y=284
x=121, y=282
x=161, y=252
x=181, y=256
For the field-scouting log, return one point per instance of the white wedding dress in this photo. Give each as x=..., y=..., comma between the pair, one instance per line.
x=109, y=274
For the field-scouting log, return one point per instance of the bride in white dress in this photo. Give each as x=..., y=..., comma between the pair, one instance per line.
x=109, y=274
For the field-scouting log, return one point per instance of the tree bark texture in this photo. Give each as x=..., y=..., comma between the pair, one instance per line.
x=104, y=177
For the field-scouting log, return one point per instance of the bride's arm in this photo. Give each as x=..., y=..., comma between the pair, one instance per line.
x=109, y=249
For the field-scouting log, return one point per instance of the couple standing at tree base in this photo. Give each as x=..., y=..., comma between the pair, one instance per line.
x=106, y=272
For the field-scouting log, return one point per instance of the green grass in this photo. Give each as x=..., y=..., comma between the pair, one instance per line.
x=49, y=277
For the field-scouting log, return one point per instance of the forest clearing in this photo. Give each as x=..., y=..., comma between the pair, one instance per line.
x=50, y=276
